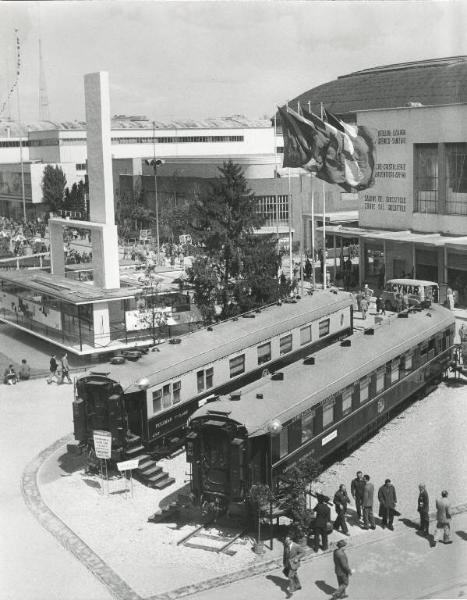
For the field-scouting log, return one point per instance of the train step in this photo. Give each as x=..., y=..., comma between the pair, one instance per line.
x=154, y=478
x=150, y=469
x=134, y=452
x=164, y=483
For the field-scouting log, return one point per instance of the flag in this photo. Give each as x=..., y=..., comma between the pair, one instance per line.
x=337, y=152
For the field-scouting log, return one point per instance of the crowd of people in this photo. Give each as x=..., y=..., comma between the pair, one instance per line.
x=362, y=491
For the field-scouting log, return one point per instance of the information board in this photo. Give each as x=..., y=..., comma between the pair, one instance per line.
x=102, y=443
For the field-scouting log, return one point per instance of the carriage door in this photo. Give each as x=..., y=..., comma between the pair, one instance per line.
x=136, y=412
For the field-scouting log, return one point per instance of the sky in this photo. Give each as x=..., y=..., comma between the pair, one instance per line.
x=171, y=59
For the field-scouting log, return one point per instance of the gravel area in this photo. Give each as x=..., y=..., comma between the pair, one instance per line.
x=424, y=444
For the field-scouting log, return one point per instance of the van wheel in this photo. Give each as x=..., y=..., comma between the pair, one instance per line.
x=388, y=305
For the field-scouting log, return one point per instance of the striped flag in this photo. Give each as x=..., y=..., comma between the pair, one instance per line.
x=337, y=152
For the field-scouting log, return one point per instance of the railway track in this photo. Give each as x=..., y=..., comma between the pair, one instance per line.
x=204, y=540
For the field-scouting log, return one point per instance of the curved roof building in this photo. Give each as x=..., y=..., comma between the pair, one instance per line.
x=436, y=82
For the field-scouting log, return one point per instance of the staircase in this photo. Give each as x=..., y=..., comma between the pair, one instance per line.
x=148, y=471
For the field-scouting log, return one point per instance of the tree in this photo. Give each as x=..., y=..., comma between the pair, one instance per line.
x=75, y=200
x=245, y=265
x=151, y=313
x=260, y=500
x=206, y=279
x=292, y=488
x=53, y=187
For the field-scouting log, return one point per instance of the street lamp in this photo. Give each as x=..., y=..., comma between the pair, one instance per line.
x=154, y=163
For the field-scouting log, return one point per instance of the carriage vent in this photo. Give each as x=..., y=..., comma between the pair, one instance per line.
x=235, y=396
x=259, y=396
x=278, y=376
x=369, y=331
x=309, y=360
x=346, y=343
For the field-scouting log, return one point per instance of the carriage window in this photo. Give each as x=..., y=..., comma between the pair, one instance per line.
x=305, y=335
x=200, y=380
x=324, y=328
x=294, y=434
x=157, y=401
x=408, y=362
x=237, y=365
x=283, y=442
x=285, y=344
x=346, y=401
x=423, y=352
x=176, y=391
x=264, y=353
x=379, y=380
x=328, y=412
x=395, y=370
x=209, y=377
x=364, y=383
x=431, y=349
x=308, y=426
x=166, y=399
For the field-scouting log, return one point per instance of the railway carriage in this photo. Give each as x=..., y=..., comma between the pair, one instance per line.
x=147, y=405
x=316, y=407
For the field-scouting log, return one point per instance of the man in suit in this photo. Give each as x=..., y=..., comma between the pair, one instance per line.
x=341, y=500
x=342, y=569
x=323, y=517
x=368, y=499
x=291, y=560
x=443, y=518
x=423, y=508
x=387, y=504
x=356, y=489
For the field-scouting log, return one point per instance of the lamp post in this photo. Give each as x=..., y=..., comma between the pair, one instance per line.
x=154, y=163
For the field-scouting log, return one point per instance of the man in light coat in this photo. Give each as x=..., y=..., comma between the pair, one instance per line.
x=443, y=519
x=291, y=560
x=342, y=569
x=368, y=500
x=387, y=504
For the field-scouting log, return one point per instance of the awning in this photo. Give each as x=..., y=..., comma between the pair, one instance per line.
x=347, y=216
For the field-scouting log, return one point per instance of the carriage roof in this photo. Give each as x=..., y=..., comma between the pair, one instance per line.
x=201, y=348
x=336, y=367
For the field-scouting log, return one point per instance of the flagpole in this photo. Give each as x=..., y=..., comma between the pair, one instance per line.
x=290, y=230
x=324, y=224
x=313, y=232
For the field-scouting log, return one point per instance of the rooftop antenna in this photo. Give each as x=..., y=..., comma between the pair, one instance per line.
x=43, y=96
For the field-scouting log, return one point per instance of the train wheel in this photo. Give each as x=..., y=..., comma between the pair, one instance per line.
x=265, y=373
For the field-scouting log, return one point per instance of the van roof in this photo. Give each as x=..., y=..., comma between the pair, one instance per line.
x=412, y=282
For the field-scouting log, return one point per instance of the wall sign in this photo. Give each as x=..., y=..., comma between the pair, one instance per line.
x=102, y=443
x=329, y=437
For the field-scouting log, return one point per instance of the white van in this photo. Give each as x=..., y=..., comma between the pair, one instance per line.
x=419, y=292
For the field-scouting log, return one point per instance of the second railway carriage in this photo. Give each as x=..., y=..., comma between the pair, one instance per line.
x=317, y=406
x=149, y=402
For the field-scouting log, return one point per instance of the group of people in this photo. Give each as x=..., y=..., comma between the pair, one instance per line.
x=11, y=377
x=59, y=372
x=363, y=299
x=362, y=491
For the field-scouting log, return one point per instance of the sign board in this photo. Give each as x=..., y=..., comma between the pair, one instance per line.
x=128, y=465
x=329, y=437
x=102, y=443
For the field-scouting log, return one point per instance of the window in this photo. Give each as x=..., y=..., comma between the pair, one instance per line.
x=166, y=396
x=209, y=377
x=283, y=442
x=380, y=380
x=157, y=401
x=408, y=361
x=237, y=365
x=423, y=352
x=323, y=328
x=176, y=387
x=431, y=349
x=308, y=421
x=456, y=179
x=285, y=344
x=426, y=178
x=346, y=401
x=395, y=370
x=273, y=209
x=305, y=335
x=264, y=353
x=200, y=380
x=364, y=383
x=328, y=412
x=294, y=433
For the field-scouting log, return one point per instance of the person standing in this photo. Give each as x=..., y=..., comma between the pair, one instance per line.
x=323, y=517
x=443, y=519
x=341, y=501
x=450, y=298
x=364, y=307
x=53, y=369
x=65, y=369
x=368, y=499
x=358, y=298
x=24, y=370
x=342, y=569
x=387, y=504
x=356, y=489
x=423, y=508
x=291, y=560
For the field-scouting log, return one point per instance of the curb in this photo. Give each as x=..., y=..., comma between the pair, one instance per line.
x=117, y=587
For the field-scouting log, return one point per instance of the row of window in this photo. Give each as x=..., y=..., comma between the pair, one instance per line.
x=305, y=426
x=14, y=144
x=205, y=377
x=274, y=209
